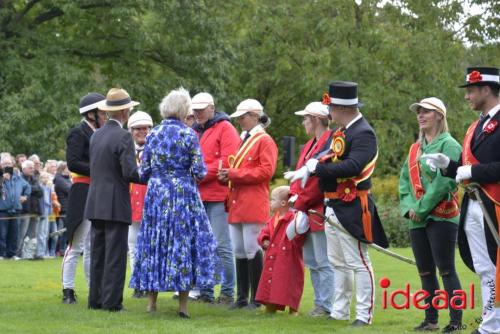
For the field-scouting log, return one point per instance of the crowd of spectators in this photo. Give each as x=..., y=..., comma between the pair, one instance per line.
x=32, y=207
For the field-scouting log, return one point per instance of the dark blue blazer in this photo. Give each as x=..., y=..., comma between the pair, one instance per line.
x=77, y=156
x=360, y=149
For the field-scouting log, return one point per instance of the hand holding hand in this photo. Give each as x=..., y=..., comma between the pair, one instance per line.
x=436, y=160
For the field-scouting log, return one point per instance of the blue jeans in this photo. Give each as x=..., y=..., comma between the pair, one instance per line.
x=42, y=236
x=52, y=241
x=27, y=228
x=316, y=259
x=218, y=220
x=8, y=234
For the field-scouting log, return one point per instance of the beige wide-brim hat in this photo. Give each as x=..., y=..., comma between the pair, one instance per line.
x=316, y=109
x=431, y=103
x=117, y=99
x=249, y=105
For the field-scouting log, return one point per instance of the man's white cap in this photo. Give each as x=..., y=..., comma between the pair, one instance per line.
x=316, y=109
x=139, y=118
x=431, y=103
x=201, y=101
x=249, y=105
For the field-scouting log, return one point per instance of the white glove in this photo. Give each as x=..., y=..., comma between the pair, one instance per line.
x=311, y=165
x=292, y=200
x=301, y=173
x=436, y=160
x=463, y=173
x=299, y=225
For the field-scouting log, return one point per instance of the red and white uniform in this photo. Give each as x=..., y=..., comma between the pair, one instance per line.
x=248, y=199
x=137, y=194
x=310, y=197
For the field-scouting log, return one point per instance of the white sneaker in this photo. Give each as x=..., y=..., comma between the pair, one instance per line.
x=16, y=258
x=1, y=258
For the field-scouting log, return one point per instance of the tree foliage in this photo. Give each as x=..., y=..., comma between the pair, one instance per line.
x=283, y=53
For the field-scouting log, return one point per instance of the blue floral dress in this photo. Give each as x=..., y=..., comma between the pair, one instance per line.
x=176, y=249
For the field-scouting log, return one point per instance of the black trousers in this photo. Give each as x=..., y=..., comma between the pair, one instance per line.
x=434, y=246
x=108, y=264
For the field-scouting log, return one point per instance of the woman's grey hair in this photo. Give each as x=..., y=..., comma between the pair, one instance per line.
x=6, y=157
x=176, y=104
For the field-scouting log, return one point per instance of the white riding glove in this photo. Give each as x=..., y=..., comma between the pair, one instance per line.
x=463, y=173
x=299, y=225
x=292, y=200
x=311, y=165
x=301, y=173
x=436, y=160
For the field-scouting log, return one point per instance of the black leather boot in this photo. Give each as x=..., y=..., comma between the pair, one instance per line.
x=242, y=285
x=255, y=270
x=69, y=296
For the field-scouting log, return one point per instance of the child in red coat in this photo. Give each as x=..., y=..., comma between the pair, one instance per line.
x=282, y=280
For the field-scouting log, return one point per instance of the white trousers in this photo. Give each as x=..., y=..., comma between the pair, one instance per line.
x=485, y=269
x=244, y=239
x=133, y=231
x=80, y=243
x=350, y=262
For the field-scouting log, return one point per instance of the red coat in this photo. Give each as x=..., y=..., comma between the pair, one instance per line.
x=137, y=194
x=248, y=200
x=282, y=279
x=217, y=143
x=310, y=197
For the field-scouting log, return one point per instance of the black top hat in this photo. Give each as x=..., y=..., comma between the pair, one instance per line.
x=482, y=76
x=343, y=93
x=90, y=102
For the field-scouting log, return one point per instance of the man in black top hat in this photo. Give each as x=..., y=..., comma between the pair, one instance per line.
x=345, y=178
x=480, y=163
x=112, y=168
x=78, y=228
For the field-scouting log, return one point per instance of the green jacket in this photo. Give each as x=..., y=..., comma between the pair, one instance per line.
x=437, y=187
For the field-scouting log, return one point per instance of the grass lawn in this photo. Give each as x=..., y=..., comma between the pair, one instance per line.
x=30, y=302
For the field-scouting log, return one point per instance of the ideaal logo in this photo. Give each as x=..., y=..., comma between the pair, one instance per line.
x=440, y=301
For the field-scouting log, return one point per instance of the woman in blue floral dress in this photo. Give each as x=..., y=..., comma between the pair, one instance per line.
x=175, y=246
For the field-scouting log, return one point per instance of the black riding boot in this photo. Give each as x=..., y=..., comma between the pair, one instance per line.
x=255, y=270
x=69, y=296
x=242, y=286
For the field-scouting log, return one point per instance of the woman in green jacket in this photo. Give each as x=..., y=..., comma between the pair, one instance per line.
x=428, y=200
